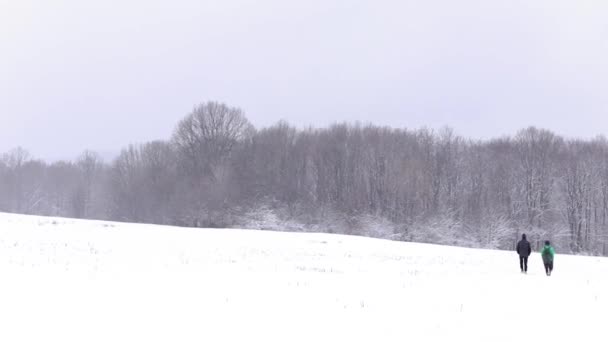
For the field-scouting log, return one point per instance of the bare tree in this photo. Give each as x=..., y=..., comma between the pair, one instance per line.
x=208, y=135
x=537, y=151
x=89, y=165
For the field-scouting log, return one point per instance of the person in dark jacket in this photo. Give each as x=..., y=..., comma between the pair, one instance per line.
x=548, y=254
x=524, y=250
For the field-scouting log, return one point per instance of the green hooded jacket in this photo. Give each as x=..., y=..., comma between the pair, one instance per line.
x=547, y=253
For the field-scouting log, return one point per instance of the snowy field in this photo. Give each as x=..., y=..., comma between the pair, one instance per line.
x=70, y=280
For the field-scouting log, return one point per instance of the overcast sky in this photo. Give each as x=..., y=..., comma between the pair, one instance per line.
x=81, y=74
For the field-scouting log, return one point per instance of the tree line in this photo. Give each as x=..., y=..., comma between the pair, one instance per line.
x=217, y=170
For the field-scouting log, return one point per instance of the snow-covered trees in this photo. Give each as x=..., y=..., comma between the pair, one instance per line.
x=422, y=185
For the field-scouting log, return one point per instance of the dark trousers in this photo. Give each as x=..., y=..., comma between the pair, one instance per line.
x=549, y=267
x=523, y=263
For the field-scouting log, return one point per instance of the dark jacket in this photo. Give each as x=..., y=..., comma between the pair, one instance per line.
x=523, y=248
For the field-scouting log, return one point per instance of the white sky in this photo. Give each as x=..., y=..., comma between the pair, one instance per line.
x=78, y=74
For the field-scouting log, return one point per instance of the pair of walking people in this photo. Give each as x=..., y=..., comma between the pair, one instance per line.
x=524, y=250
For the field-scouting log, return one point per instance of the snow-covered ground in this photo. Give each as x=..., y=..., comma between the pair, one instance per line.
x=70, y=280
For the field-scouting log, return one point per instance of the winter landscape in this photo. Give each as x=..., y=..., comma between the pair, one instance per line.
x=319, y=170
x=77, y=280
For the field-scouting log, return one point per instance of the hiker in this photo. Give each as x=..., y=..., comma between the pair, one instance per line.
x=548, y=253
x=524, y=250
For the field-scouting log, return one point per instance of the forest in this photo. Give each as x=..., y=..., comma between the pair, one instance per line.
x=218, y=171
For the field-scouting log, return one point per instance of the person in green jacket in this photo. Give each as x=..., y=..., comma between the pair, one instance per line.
x=548, y=254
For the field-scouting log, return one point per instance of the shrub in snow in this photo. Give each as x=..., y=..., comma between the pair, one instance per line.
x=376, y=226
x=261, y=218
x=266, y=218
x=497, y=233
x=443, y=230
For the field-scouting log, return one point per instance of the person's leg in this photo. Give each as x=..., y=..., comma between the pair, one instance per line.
x=526, y=264
x=521, y=263
x=550, y=267
x=546, y=268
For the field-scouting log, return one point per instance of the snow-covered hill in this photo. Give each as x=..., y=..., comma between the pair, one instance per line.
x=70, y=280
